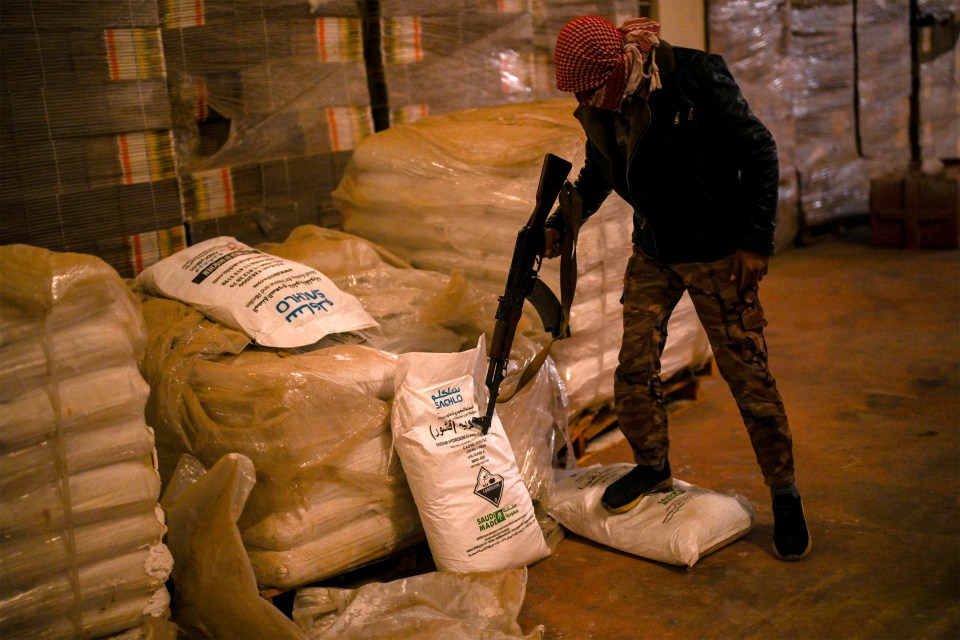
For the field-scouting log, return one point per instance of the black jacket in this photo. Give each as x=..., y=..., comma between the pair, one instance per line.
x=702, y=174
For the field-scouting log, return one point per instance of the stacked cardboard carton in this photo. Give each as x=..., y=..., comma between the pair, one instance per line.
x=87, y=154
x=447, y=56
x=268, y=101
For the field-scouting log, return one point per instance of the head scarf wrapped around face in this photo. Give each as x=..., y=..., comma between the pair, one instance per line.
x=601, y=63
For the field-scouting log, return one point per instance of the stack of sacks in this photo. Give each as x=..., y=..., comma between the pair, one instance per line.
x=451, y=192
x=422, y=310
x=316, y=423
x=80, y=527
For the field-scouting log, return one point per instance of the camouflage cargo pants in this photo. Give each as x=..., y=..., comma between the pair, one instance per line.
x=734, y=325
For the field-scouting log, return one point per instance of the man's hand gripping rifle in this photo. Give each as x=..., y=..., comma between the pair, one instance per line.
x=523, y=283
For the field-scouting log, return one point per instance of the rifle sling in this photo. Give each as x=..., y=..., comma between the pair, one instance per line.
x=571, y=210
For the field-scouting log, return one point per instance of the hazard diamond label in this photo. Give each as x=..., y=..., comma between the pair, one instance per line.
x=489, y=486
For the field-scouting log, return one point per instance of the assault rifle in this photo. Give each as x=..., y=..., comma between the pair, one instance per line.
x=523, y=283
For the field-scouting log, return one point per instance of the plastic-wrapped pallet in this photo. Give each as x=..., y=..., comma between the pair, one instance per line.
x=86, y=145
x=883, y=45
x=752, y=38
x=833, y=176
x=467, y=606
x=268, y=99
x=449, y=193
x=939, y=82
x=491, y=43
x=316, y=423
x=80, y=525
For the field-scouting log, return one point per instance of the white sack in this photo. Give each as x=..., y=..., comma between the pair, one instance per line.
x=25, y=560
x=106, y=492
x=376, y=533
x=676, y=527
x=76, y=349
x=139, y=573
x=329, y=505
x=276, y=302
x=475, y=509
x=25, y=469
x=107, y=395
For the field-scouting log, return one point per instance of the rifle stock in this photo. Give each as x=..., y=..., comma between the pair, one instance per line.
x=523, y=280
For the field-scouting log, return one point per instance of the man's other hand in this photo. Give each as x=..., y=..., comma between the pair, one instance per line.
x=748, y=269
x=551, y=243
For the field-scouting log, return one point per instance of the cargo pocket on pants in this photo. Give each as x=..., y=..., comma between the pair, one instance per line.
x=753, y=347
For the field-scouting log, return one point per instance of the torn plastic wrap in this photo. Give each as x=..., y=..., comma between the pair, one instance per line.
x=457, y=188
x=474, y=606
x=316, y=423
x=215, y=590
x=267, y=102
x=80, y=528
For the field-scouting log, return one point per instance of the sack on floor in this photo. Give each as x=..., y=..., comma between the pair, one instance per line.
x=475, y=509
x=276, y=302
x=677, y=526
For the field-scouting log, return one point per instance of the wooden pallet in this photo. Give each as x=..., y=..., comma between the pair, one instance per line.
x=593, y=422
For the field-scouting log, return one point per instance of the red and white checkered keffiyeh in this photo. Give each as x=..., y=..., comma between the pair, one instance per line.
x=601, y=63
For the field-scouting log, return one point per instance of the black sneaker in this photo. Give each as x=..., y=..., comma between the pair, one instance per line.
x=625, y=493
x=791, y=540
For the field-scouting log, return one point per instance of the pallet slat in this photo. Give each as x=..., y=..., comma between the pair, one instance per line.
x=594, y=421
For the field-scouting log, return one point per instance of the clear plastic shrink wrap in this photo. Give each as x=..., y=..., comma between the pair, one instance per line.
x=430, y=47
x=940, y=87
x=883, y=58
x=316, y=423
x=267, y=99
x=467, y=606
x=753, y=39
x=834, y=181
x=449, y=193
x=80, y=525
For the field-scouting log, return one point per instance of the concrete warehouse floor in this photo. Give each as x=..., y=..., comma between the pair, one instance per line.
x=864, y=344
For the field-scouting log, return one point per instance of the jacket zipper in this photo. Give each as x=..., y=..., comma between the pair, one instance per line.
x=633, y=153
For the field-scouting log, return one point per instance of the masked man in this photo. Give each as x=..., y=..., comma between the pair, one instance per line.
x=669, y=131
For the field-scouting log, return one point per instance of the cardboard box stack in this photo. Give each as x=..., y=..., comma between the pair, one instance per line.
x=268, y=102
x=87, y=155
